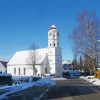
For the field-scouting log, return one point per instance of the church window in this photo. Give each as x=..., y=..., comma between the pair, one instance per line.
x=50, y=60
x=50, y=45
x=14, y=70
x=24, y=71
x=19, y=71
x=46, y=71
x=50, y=34
x=50, y=52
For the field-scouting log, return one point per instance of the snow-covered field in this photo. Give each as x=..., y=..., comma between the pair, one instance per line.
x=92, y=80
x=4, y=91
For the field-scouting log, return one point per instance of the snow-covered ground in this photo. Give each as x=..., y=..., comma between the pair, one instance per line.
x=92, y=80
x=61, y=78
x=11, y=89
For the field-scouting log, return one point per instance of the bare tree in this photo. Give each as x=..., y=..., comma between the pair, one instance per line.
x=33, y=58
x=88, y=66
x=85, y=36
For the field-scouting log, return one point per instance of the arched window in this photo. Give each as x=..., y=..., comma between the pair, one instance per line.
x=14, y=70
x=46, y=70
x=19, y=71
x=54, y=44
x=50, y=34
x=24, y=71
x=50, y=60
x=50, y=45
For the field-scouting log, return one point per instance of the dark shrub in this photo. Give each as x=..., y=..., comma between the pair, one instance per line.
x=5, y=79
x=35, y=78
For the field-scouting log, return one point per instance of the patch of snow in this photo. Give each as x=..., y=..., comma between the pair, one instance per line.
x=12, y=89
x=4, y=87
x=92, y=80
x=20, y=79
x=46, y=81
x=97, y=82
x=58, y=78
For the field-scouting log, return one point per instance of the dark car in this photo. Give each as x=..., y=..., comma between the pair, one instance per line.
x=71, y=74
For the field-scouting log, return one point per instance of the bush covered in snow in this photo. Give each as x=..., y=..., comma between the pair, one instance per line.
x=24, y=79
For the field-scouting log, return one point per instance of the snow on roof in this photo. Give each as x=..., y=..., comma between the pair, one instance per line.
x=53, y=26
x=66, y=62
x=21, y=57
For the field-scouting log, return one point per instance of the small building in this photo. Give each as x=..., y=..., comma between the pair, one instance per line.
x=66, y=64
x=3, y=66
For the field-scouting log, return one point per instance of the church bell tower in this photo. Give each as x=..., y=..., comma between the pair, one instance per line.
x=54, y=51
x=53, y=37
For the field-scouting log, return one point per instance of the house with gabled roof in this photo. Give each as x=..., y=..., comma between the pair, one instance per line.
x=3, y=66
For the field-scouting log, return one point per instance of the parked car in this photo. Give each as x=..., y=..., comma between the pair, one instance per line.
x=71, y=74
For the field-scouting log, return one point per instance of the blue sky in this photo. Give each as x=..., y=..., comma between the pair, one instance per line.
x=23, y=22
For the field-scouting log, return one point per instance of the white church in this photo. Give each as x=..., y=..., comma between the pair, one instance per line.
x=49, y=62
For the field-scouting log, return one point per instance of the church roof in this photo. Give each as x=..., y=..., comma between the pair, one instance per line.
x=53, y=26
x=23, y=57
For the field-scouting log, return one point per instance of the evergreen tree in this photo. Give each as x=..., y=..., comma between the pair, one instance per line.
x=75, y=64
x=81, y=64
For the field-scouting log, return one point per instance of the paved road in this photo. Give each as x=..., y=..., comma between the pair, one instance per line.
x=73, y=89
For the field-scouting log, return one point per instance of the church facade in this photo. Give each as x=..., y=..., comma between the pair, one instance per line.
x=49, y=59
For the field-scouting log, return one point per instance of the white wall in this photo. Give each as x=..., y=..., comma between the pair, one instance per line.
x=55, y=60
x=29, y=71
